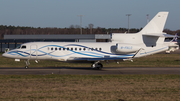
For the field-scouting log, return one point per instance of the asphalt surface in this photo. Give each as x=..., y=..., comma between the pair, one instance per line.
x=88, y=71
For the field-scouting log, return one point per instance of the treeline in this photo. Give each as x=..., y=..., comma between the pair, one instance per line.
x=73, y=29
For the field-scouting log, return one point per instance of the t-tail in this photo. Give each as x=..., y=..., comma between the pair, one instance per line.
x=175, y=38
x=173, y=44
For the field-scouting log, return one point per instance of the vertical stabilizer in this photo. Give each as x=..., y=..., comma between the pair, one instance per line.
x=156, y=25
x=175, y=38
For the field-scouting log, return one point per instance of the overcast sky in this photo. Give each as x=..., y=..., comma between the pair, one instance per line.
x=101, y=13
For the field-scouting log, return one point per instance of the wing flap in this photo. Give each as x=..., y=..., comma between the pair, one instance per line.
x=99, y=59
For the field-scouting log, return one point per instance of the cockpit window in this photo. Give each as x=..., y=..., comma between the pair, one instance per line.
x=23, y=47
x=18, y=47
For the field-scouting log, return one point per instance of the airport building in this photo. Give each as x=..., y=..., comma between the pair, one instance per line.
x=12, y=41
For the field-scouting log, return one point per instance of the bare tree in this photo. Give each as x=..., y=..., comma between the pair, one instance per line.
x=71, y=26
x=77, y=26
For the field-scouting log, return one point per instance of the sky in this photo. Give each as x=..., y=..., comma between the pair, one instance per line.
x=100, y=13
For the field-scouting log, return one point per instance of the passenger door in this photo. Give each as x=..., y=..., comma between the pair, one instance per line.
x=33, y=52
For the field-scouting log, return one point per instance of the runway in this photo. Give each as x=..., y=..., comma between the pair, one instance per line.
x=88, y=71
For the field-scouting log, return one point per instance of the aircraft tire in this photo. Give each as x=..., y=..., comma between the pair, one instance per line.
x=97, y=66
x=26, y=67
x=100, y=66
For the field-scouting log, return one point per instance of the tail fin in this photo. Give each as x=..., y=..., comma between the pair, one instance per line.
x=175, y=38
x=156, y=25
x=173, y=45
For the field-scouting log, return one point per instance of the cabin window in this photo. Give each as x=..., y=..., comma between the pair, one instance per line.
x=96, y=49
x=71, y=48
x=92, y=49
x=64, y=48
x=100, y=49
x=84, y=49
x=51, y=48
x=59, y=48
x=67, y=48
x=80, y=49
x=23, y=47
x=75, y=49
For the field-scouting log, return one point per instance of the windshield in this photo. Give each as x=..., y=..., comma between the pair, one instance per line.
x=18, y=47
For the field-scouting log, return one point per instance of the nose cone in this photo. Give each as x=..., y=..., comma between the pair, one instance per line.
x=6, y=55
x=10, y=54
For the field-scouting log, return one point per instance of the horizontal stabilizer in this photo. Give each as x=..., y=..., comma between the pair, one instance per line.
x=159, y=35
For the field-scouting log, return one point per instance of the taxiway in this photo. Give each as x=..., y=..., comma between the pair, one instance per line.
x=88, y=71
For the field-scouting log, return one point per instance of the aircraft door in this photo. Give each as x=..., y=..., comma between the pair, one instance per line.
x=33, y=52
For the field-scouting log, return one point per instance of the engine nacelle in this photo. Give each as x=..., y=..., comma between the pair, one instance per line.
x=126, y=48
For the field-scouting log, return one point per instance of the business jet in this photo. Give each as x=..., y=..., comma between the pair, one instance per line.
x=149, y=40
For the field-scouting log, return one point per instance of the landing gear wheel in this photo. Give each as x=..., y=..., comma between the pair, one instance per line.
x=26, y=67
x=100, y=66
x=97, y=66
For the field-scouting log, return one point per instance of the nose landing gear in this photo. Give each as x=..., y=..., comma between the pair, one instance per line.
x=27, y=63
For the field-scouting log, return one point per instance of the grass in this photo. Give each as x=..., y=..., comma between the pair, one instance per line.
x=157, y=60
x=90, y=87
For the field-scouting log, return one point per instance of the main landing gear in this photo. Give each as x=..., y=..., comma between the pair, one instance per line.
x=27, y=63
x=97, y=65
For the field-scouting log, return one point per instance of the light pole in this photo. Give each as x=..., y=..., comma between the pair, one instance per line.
x=128, y=20
x=147, y=18
x=81, y=22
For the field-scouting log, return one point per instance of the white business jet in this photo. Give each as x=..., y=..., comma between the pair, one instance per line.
x=149, y=40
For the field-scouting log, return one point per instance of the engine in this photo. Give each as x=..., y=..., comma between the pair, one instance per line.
x=126, y=48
